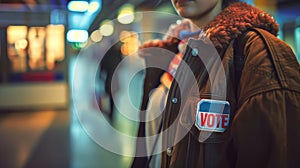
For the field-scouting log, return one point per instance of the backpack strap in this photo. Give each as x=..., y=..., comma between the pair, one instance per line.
x=239, y=57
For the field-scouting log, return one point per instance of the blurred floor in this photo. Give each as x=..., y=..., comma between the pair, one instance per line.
x=56, y=138
x=34, y=139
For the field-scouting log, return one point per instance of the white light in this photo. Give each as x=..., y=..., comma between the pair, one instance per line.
x=93, y=7
x=126, y=18
x=126, y=14
x=96, y=36
x=178, y=21
x=21, y=44
x=76, y=35
x=107, y=28
x=78, y=6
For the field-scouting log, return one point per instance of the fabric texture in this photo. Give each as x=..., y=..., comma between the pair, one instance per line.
x=264, y=115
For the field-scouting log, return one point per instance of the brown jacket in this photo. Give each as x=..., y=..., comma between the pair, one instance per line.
x=264, y=128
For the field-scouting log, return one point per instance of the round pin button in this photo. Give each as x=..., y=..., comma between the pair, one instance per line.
x=169, y=151
x=195, y=52
x=174, y=100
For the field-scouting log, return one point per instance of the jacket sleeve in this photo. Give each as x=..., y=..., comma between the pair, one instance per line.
x=265, y=128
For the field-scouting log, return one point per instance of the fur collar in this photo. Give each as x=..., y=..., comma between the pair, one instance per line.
x=233, y=21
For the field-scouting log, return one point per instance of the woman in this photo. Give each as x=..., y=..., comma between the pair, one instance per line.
x=258, y=86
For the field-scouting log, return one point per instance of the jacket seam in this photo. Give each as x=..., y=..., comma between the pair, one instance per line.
x=264, y=90
x=256, y=91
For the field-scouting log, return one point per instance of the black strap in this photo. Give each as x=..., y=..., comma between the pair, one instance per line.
x=239, y=56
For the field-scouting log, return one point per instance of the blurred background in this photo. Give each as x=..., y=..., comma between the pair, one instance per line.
x=58, y=58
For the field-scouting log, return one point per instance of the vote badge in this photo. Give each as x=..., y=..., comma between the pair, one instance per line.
x=212, y=115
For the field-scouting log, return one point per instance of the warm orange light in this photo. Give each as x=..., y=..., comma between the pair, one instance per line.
x=15, y=33
x=36, y=51
x=55, y=44
x=16, y=47
x=130, y=42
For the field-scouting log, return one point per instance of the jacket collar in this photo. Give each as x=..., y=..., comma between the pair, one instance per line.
x=235, y=20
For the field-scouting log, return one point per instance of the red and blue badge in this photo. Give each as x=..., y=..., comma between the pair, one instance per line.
x=212, y=115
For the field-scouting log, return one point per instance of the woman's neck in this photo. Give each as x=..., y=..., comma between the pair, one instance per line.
x=204, y=19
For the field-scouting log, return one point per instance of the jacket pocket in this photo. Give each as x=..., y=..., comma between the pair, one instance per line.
x=205, y=148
